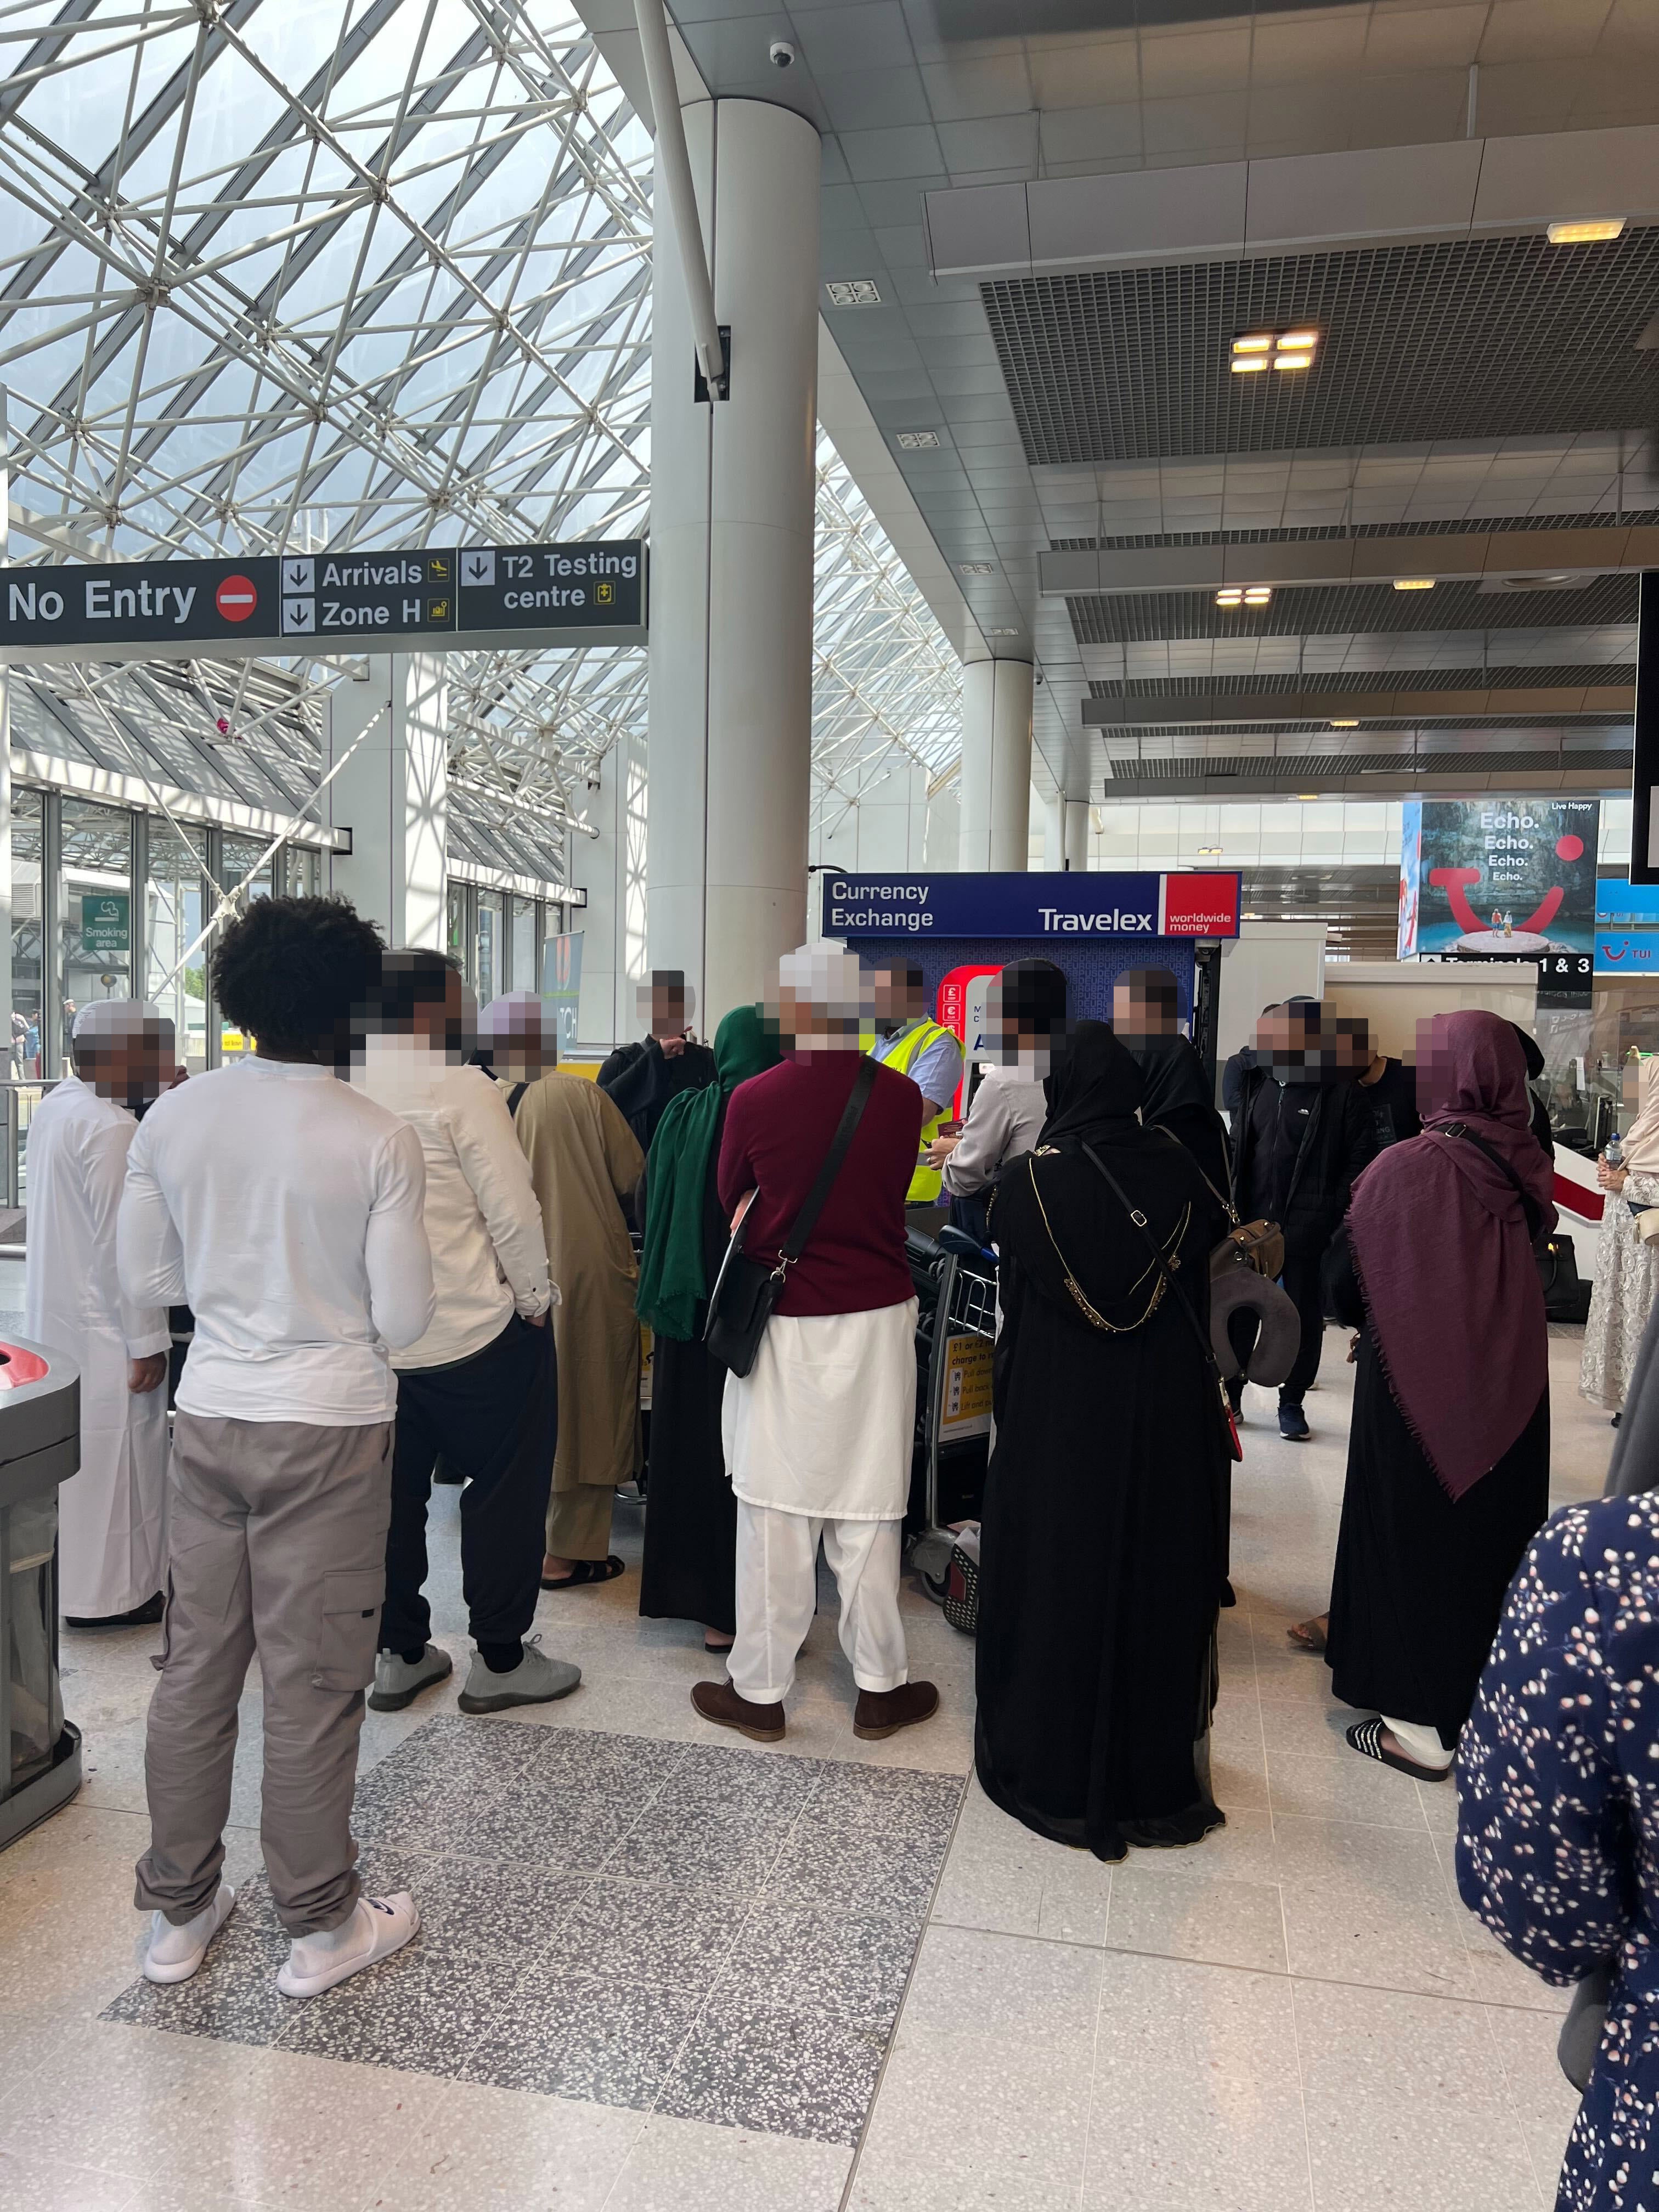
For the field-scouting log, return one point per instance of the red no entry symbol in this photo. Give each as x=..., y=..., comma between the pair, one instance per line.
x=236, y=599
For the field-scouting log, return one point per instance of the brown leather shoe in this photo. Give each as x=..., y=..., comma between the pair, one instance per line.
x=719, y=1702
x=883, y=1713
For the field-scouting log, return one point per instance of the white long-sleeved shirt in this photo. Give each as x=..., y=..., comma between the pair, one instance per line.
x=78, y=1164
x=285, y=1210
x=484, y=1220
x=1008, y=1110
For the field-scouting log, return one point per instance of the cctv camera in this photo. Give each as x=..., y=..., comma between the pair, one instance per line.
x=782, y=55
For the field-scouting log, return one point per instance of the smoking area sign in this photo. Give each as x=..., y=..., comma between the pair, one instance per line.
x=443, y=597
x=106, y=921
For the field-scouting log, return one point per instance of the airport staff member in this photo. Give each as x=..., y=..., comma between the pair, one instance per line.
x=911, y=1044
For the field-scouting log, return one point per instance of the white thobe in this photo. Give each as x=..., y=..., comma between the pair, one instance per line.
x=110, y=1554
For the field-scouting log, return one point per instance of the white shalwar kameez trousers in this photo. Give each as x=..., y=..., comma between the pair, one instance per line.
x=817, y=1436
x=110, y=1549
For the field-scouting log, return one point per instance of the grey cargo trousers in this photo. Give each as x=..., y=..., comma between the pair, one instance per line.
x=275, y=1544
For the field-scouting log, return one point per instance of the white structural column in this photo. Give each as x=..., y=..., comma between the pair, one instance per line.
x=393, y=793
x=731, y=531
x=1066, y=834
x=610, y=869
x=996, y=765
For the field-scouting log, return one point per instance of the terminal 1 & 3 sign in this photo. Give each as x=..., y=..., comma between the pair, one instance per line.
x=436, y=597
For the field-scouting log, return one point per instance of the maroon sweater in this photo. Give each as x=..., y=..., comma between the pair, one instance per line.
x=779, y=1126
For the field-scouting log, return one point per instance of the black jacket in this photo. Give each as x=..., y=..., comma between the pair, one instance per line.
x=1339, y=1140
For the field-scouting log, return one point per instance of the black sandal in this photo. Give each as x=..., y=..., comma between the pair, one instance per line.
x=585, y=1572
x=1366, y=1738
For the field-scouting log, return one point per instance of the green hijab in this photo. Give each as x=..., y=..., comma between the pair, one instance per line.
x=672, y=1280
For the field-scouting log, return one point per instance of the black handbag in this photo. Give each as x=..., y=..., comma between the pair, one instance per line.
x=747, y=1291
x=1566, y=1297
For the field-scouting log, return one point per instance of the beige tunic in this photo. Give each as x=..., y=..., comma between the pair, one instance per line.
x=584, y=1160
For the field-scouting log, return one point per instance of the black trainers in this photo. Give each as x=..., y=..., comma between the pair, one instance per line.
x=1293, y=1424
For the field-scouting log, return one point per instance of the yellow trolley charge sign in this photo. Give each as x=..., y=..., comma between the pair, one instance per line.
x=966, y=1411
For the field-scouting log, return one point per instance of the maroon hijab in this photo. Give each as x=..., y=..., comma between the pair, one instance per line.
x=1440, y=1246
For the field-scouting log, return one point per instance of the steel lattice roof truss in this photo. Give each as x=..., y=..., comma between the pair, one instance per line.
x=886, y=686
x=283, y=275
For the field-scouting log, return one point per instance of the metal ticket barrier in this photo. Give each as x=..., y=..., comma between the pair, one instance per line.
x=40, y=1448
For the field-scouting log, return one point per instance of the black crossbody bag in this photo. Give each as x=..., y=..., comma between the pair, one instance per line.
x=747, y=1291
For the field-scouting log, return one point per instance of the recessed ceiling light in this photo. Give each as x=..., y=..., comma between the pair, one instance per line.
x=1002, y=633
x=1257, y=596
x=1292, y=360
x=1209, y=852
x=1298, y=341
x=1230, y=598
x=1413, y=583
x=1594, y=232
x=1344, y=726
x=917, y=441
x=1305, y=794
x=1262, y=342
x=1246, y=364
x=854, y=291
x=977, y=569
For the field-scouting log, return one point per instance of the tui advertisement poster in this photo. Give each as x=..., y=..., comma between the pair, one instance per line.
x=1501, y=878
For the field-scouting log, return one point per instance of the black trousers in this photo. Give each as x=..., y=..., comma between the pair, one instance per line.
x=494, y=1418
x=1301, y=1280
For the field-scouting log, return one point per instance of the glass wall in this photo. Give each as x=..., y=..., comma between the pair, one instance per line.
x=95, y=911
x=521, y=970
x=174, y=913
x=487, y=980
x=455, y=930
x=236, y=856
x=27, y=926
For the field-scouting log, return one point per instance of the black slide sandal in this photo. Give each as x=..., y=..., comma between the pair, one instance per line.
x=1366, y=1738
x=585, y=1572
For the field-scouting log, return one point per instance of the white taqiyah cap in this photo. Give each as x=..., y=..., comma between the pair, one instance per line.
x=514, y=1014
x=117, y=1018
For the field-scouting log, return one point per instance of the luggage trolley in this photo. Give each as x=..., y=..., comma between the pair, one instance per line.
x=956, y=1288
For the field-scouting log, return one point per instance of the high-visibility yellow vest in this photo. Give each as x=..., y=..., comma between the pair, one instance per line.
x=926, y=1183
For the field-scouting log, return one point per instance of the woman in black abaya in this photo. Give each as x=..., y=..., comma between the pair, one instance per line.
x=1103, y=1543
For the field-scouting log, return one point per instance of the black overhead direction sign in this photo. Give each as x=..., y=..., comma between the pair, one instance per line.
x=436, y=597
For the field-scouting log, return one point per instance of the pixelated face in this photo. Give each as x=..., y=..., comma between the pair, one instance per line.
x=824, y=1000
x=666, y=1003
x=1630, y=1085
x=132, y=1063
x=521, y=1046
x=1354, y=1049
x=1142, y=1009
x=899, y=996
x=1303, y=1044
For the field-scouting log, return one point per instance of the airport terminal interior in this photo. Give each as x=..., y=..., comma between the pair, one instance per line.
x=1071, y=585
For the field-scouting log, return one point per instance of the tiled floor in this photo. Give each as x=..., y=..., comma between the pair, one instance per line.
x=658, y=1969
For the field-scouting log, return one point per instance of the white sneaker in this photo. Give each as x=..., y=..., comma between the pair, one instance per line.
x=174, y=1952
x=379, y=1926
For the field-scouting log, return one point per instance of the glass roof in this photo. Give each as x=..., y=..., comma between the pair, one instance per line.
x=284, y=274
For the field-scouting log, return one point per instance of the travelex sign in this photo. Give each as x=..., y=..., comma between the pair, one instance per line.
x=591, y=593
x=1071, y=905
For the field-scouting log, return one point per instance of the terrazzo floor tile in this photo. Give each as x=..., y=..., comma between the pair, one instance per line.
x=583, y=2036
x=852, y=1965
x=644, y=1932
x=44, y=2185
x=689, y=2165
x=422, y=2011
x=1201, y=1916
x=484, y=2150
x=779, y=2067
x=233, y=1997
x=841, y=1867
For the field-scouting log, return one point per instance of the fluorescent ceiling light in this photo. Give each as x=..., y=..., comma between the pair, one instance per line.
x=1257, y=596
x=1595, y=231
x=1263, y=344
x=1413, y=583
x=977, y=568
x=1292, y=360
x=1298, y=341
x=854, y=292
x=1230, y=598
x=918, y=441
x=1209, y=852
x=1344, y=726
x=1246, y=364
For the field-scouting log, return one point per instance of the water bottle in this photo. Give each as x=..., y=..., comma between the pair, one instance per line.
x=1614, y=1154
